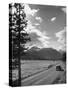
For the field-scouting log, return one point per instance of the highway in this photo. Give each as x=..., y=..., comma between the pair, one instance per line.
x=49, y=76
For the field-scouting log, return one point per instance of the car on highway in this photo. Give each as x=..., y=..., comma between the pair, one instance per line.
x=59, y=68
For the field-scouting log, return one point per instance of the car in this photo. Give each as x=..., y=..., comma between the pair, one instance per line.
x=59, y=68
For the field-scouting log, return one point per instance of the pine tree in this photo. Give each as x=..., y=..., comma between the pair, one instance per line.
x=17, y=35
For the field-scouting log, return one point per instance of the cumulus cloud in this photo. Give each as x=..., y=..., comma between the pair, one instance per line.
x=39, y=19
x=53, y=19
x=63, y=9
x=61, y=35
x=38, y=38
x=30, y=11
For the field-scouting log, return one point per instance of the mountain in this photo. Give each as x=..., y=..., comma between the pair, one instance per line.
x=42, y=54
x=49, y=53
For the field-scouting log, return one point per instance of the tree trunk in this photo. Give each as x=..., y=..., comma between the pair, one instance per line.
x=19, y=69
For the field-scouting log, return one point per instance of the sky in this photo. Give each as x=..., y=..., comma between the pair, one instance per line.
x=46, y=26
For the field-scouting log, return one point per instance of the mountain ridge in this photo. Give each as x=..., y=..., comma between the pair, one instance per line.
x=42, y=54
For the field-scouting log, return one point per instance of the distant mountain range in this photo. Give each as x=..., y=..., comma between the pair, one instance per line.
x=42, y=54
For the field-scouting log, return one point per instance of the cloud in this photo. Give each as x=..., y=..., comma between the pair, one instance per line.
x=63, y=9
x=30, y=11
x=39, y=19
x=36, y=24
x=61, y=35
x=38, y=38
x=53, y=19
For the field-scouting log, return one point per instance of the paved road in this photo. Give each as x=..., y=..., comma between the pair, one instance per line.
x=46, y=77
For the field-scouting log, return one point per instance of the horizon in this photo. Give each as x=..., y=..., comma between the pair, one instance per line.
x=44, y=48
